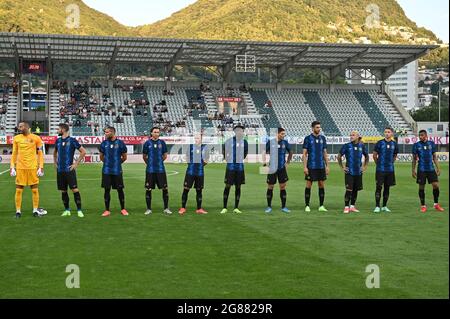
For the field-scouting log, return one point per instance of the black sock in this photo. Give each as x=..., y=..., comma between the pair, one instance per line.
x=436, y=195
x=283, y=196
x=422, y=196
x=148, y=199
x=307, y=195
x=237, y=197
x=199, y=198
x=107, y=197
x=347, y=197
x=165, y=195
x=226, y=193
x=385, y=195
x=321, y=196
x=378, y=195
x=65, y=199
x=121, y=198
x=354, y=196
x=269, y=196
x=184, y=197
x=77, y=198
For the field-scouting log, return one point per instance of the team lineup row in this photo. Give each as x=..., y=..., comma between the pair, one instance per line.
x=27, y=165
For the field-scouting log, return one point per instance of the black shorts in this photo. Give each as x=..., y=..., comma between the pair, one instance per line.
x=385, y=178
x=316, y=175
x=422, y=177
x=112, y=181
x=66, y=179
x=234, y=177
x=353, y=182
x=280, y=175
x=155, y=179
x=194, y=180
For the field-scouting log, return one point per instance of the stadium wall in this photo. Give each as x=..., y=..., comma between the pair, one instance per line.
x=218, y=158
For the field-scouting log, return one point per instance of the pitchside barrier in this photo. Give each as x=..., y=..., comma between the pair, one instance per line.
x=138, y=140
x=218, y=158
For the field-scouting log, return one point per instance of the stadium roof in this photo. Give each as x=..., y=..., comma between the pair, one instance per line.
x=386, y=59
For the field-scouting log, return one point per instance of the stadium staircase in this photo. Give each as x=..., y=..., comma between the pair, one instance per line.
x=175, y=105
x=259, y=99
x=347, y=112
x=199, y=115
x=54, y=115
x=372, y=110
x=143, y=123
x=292, y=111
x=321, y=113
x=11, y=114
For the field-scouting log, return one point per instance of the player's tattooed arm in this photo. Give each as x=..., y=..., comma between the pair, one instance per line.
x=341, y=164
x=436, y=163
x=366, y=162
x=55, y=157
x=327, y=162
x=396, y=150
x=414, y=163
x=83, y=152
x=305, y=161
x=245, y=149
x=375, y=157
x=123, y=157
x=339, y=159
x=264, y=156
x=290, y=155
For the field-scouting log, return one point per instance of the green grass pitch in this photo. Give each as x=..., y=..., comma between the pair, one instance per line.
x=300, y=255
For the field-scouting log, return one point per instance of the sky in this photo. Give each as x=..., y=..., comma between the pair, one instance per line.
x=431, y=14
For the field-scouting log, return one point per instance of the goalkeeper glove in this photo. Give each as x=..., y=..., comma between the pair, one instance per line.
x=40, y=172
x=12, y=172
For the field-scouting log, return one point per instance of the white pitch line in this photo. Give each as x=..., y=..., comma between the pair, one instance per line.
x=169, y=173
x=1, y=173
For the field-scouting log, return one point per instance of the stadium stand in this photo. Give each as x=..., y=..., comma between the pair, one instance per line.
x=178, y=111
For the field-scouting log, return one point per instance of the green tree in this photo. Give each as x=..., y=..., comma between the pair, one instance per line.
x=431, y=113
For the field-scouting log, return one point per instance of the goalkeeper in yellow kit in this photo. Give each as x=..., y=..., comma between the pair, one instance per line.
x=27, y=165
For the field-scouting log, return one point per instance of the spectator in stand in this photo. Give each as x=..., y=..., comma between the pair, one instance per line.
x=268, y=103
